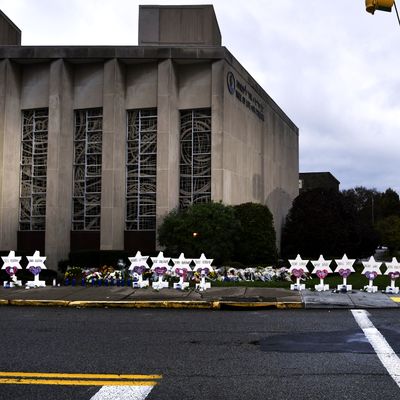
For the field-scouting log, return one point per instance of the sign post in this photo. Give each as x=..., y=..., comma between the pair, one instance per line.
x=344, y=269
x=181, y=268
x=321, y=269
x=393, y=271
x=298, y=268
x=35, y=266
x=137, y=268
x=160, y=268
x=11, y=266
x=371, y=271
x=203, y=267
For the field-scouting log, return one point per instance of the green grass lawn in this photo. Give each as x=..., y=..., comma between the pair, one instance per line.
x=357, y=280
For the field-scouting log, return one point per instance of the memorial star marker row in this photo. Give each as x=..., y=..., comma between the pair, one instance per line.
x=372, y=268
x=35, y=266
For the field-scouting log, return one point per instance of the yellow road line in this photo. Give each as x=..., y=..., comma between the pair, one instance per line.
x=76, y=382
x=396, y=299
x=83, y=376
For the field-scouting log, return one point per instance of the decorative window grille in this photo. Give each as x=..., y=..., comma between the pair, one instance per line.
x=141, y=170
x=195, y=161
x=87, y=170
x=33, y=178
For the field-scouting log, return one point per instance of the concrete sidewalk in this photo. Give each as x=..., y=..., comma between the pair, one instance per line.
x=214, y=298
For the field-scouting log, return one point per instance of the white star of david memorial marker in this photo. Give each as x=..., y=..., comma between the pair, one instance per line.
x=393, y=271
x=138, y=267
x=182, y=269
x=298, y=268
x=321, y=269
x=11, y=266
x=344, y=269
x=35, y=266
x=371, y=271
x=203, y=267
x=160, y=268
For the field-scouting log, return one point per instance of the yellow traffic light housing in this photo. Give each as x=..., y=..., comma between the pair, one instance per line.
x=381, y=5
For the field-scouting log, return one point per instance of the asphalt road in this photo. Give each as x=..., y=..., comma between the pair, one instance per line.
x=299, y=354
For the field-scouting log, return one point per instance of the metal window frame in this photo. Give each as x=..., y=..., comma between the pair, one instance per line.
x=38, y=197
x=184, y=198
x=89, y=115
x=138, y=222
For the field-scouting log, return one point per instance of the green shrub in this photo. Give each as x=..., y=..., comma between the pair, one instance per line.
x=97, y=258
x=209, y=228
x=257, y=238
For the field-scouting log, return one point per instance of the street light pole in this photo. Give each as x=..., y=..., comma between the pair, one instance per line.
x=372, y=210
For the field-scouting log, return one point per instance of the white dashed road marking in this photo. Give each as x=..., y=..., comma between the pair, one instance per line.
x=386, y=355
x=122, y=393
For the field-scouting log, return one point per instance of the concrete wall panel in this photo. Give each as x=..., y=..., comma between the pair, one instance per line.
x=35, y=86
x=10, y=136
x=10, y=34
x=194, y=87
x=217, y=129
x=260, y=151
x=281, y=165
x=167, y=140
x=59, y=163
x=3, y=80
x=113, y=157
x=242, y=148
x=179, y=25
x=88, y=85
x=141, y=86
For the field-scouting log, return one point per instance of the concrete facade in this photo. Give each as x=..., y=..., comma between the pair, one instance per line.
x=254, y=145
x=178, y=25
x=10, y=34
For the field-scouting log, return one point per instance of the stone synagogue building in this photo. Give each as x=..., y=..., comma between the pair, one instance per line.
x=98, y=143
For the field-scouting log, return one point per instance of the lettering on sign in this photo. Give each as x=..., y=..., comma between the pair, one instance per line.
x=245, y=96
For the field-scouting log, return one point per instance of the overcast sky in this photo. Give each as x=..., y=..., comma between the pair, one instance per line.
x=333, y=68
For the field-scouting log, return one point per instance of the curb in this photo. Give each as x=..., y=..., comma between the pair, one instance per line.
x=246, y=305
x=259, y=305
x=36, y=303
x=292, y=305
x=146, y=304
x=157, y=304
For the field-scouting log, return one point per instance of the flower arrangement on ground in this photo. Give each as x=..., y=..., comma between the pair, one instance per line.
x=108, y=274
